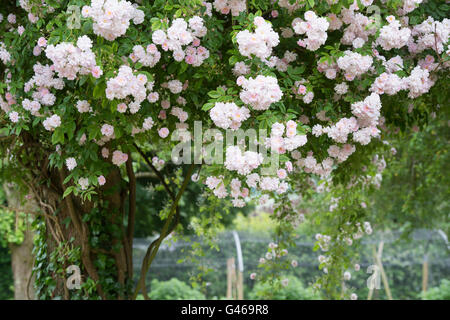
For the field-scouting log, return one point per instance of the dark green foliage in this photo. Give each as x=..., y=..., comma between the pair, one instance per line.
x=295, y=290
x=6, y=277
x=441, y=292
x=173, y=289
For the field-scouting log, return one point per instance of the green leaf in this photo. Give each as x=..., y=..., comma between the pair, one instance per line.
x=58, y=136
x=221, y=91
x=70, y=129
x=99, y=89
x=214, y=94
x=68, y=191
x=67, y=179
x=207, y=106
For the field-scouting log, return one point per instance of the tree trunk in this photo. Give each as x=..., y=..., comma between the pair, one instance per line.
x=22, y=267
x=94, y=235
x=114, y=244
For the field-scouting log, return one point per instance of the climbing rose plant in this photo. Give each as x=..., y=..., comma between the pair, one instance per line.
x=88, y=85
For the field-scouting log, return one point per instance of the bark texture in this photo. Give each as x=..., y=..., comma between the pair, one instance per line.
x=22, y=267
x=57, y=210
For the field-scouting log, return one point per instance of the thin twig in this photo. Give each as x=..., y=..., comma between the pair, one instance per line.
x=131, y=212
x=158, y=174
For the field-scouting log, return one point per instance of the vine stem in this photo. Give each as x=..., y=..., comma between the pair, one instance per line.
x=154, y=246
x=82, y=232
x=131, y=213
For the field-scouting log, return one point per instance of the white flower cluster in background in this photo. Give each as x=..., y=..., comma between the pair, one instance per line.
x=174, y=86
x=324, y=243
x=430, y=35
x=290, y=5
x=315, y=29
x=281, y=64
x=217, y=185
x=227, y=6
x=310, y=165
x=5, y=56
x=410, y=5
x=237, y=192
x=51, y=123
x=44, y=78
x=368, y=111
x=358, y=28
x=4, y=105
x=242, y=162
x=365, y=135
x=273, y=184
x=127, y=84
x=32, y=106
x=119, y=157
x=290, y=142
x=83, y=106
x=228, y=115
x=329, y=69
x=419, y=82
x=259, y=92
x=260, y=42
x=240, y=69
x=341, y=153
x=180, y=114
x=69, y=60
x=112, y=17
x=388, y=83
x=195, y=55
x=394, y=64
x=148, y=57
x=180, y=34
x=341, y=88
x=392, y=36
x=354, y=64
x=301, y=91
x=340, y=130
x=33, y=6
x=14, y=116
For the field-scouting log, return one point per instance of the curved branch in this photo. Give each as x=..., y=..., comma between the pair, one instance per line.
x=154, y=246
x=158, y=174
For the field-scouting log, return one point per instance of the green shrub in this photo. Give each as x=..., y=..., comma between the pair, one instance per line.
x=6, y=277
x=173, y=289
x=438, y=293
x=293, y=291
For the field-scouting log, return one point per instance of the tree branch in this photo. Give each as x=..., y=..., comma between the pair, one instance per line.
x=140, y=175
x=154, y=246
x=131, y=212
x=158, y=174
